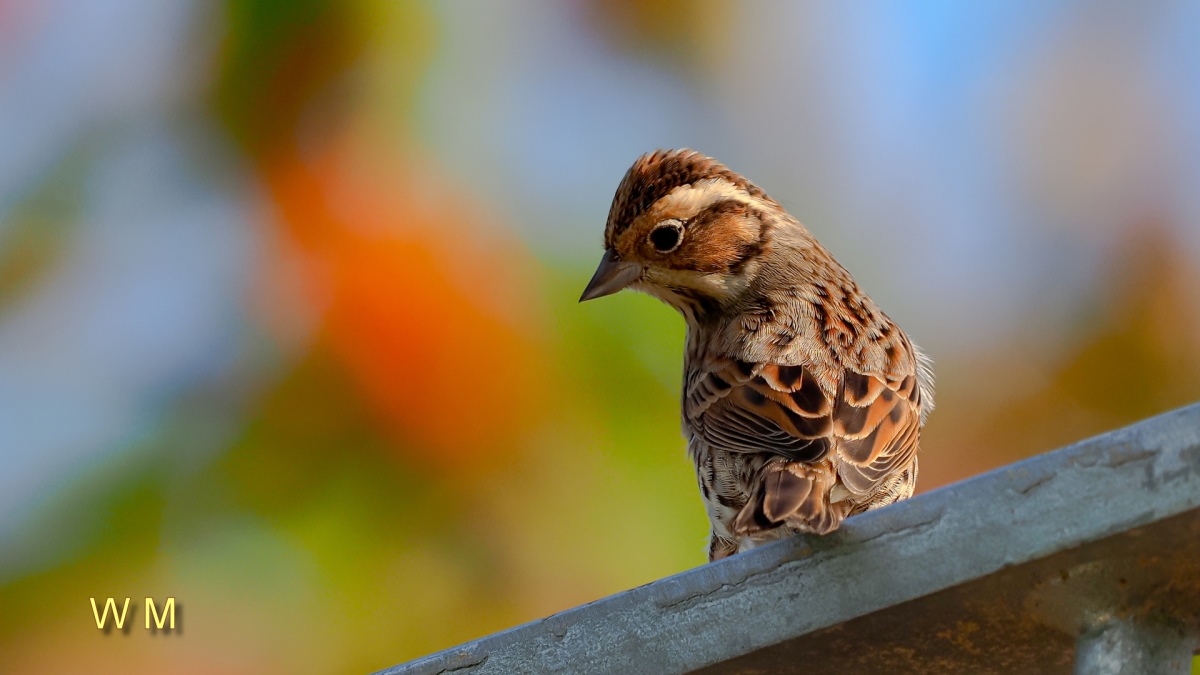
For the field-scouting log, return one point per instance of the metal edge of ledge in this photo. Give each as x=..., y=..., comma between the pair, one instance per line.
x=1067, y=498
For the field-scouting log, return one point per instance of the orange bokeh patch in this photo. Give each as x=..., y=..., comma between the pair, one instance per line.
x=431, y=313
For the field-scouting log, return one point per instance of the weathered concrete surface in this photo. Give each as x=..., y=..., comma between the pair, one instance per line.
x=998, y=574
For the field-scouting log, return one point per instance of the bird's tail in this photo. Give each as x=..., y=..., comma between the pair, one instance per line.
x=795, y=494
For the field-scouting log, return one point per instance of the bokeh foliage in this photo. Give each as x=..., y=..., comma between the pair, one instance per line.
x=425, y=439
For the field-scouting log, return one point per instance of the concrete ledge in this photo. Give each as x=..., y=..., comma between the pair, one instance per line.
x=1000, y=573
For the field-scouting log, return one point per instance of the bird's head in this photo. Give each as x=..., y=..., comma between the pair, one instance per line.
x=685, y=229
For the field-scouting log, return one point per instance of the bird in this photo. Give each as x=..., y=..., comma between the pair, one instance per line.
x=802, y=402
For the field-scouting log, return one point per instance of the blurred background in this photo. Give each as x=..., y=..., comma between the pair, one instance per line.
x=288, y=319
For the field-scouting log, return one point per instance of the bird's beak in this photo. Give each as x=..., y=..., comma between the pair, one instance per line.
x=611, y=276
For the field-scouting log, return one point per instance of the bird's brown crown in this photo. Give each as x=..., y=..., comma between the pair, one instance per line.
x=654, y=175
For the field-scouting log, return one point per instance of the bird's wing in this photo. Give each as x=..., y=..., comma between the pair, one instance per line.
x=871, y=421
x=877, y=421
x=755, y=407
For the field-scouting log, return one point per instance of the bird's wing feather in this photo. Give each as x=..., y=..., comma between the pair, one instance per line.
x=877, y=421
x=752, y=407
x=870, y=421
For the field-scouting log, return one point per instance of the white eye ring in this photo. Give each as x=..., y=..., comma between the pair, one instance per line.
x=664, y=229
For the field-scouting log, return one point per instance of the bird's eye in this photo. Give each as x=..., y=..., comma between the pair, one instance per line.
x=665, y=238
